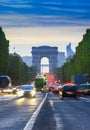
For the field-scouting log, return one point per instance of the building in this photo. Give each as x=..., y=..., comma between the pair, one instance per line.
x=69, y=52
x=61, y=58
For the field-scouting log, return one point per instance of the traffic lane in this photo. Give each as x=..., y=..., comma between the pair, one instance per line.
x=45, y=120
x=71, y=114
x=32, y=120
x=15, y=114
x=67, y=114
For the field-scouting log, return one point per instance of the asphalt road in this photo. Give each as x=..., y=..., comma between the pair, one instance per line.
x=14, y=114
x=67, y=114
x=55, y=114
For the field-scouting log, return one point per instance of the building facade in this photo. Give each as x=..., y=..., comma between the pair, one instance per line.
x=45, y=51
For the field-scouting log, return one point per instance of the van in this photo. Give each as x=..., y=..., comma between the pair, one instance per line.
x=5, y=84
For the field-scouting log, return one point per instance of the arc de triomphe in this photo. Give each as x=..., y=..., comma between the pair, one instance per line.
x=45, y=51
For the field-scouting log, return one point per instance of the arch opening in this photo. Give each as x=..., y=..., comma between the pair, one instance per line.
x=44, y=65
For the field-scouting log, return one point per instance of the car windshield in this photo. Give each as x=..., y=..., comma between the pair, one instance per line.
x=86, y=86
x=27, y=87
x=71, y=88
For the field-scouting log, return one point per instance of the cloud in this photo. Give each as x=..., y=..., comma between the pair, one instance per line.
x=44, y=22
x=14, y=13
x=34, y=20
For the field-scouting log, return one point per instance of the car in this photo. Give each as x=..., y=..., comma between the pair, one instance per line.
x=6, y=85
x=68, y=90
x=56, y=88
x=84, y=89
x=8, y=90
x=19, y=91
x=29, y=90
x=51, y=87
x=5, y=81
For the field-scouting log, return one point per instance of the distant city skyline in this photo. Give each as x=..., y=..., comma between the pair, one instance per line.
x=61, y=58
x=26, y=50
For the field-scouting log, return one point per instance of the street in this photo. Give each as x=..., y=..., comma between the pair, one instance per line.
x=55, y=114
x=14, y=114
x=67, y=114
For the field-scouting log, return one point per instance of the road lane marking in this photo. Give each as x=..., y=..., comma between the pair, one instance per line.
x=30, y=123
x=56, y=117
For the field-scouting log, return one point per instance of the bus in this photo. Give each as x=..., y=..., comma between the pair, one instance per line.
x=40, y=82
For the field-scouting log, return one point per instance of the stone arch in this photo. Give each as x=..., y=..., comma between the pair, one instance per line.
x=45, y=51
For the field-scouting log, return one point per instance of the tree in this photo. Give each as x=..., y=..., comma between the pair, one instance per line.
x=80, y=63
x=4, y=53
x=19, y=72
x=13, y=68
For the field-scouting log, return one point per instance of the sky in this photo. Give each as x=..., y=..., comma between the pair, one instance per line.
x=30, y=23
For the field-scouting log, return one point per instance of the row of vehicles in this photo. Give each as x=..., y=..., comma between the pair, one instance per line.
x=71, y=90
x=6, y=87
x=68, y=89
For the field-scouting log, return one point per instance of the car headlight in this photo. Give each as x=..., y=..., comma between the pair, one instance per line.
x=33, y=93
x=60, y=92
x=20, y=93
x=7, y=90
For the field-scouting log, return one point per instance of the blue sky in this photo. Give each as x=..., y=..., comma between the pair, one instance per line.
x=44, y=22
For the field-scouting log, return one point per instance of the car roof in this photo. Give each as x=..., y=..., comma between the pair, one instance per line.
x=86, y=84
x=69, y=85
x=27, y=85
